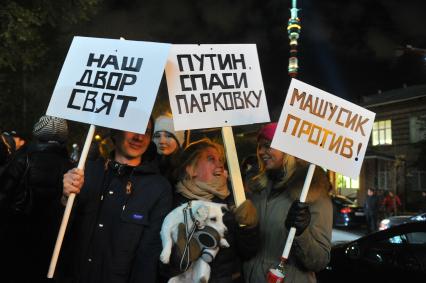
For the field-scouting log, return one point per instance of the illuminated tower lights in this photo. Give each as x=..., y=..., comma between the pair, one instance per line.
x=293, y=30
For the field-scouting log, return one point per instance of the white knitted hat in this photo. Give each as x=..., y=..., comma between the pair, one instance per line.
x=165, y=123
x=50, y=128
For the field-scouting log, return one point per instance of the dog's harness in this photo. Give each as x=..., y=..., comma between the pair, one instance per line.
x=207, y=238
x=189, y=234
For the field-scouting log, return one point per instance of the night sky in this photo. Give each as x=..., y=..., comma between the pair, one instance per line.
x=354, y=48
x=350, y=48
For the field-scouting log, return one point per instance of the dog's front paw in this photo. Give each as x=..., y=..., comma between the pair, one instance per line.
x=224, y=243
x=165, y=256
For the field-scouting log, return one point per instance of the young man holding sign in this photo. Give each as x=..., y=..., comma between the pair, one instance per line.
x=275, y=192
x=118, y=215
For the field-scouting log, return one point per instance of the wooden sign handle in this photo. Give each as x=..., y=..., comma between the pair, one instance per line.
x=233, y=166
x=302, y=198
x=69, y=205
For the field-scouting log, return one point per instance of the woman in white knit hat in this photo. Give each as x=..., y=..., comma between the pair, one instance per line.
x=169, y=145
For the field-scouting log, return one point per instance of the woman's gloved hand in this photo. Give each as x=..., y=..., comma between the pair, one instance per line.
x=246, y=214
x=298, y=216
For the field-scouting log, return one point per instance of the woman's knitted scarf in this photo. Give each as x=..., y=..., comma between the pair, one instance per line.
x=203, y=191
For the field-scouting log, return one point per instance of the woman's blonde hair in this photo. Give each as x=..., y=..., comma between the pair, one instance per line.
x=288, y=168
x=191, y=155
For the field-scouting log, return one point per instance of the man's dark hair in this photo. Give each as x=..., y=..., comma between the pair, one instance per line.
x=151, y=152
x=113, y=132
x=16, y=134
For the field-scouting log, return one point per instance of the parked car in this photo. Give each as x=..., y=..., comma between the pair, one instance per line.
x=394, y=255
x=397, y=220
x=346, y=213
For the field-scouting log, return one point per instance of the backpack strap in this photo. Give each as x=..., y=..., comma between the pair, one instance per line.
x=24, y=204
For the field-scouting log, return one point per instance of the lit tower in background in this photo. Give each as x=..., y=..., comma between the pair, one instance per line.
x=293, y=30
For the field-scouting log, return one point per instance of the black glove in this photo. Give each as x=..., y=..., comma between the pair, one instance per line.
x=298, y=216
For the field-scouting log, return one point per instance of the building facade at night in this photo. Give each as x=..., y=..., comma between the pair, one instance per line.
x=396, y=156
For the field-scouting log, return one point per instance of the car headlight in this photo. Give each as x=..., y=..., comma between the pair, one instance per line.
x=384, y=224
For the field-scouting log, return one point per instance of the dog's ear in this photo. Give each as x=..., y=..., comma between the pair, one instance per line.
x=201, y=214
x=224, y=208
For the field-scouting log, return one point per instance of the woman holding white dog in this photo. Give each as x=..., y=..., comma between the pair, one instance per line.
x=275, y=191
x=202, y=176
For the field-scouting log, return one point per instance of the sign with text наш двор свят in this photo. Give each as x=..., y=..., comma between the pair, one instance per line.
x=109, y=82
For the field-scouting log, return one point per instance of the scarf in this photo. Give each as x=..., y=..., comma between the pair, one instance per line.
x=203, y=191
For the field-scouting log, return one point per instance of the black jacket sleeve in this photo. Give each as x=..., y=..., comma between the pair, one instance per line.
x=11, y=180
x=150, y=246
x=247, y=242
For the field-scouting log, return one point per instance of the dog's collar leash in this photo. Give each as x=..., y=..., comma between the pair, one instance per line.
x=189, y=234
x=196, y=232
x=189, y=207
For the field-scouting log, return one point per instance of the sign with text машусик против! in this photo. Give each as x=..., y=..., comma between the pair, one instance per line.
x=323, y=129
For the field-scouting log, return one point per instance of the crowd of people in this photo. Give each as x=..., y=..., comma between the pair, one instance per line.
x=380, y=205
x=122, y=199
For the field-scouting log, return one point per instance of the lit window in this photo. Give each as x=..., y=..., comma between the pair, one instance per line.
x=382, y=132
x=346, y=182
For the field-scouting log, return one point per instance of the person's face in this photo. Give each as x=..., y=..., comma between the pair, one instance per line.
x=209, y=167
x=370, y=192
x=165, y=142
x=272, y=158
x=131, y=146
x=18, y=142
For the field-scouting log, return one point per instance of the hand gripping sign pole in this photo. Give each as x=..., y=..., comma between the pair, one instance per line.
x=69, y=205
x=277, y=275
x=233, y=166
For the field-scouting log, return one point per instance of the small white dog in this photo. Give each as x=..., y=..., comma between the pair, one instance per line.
x=205, y=214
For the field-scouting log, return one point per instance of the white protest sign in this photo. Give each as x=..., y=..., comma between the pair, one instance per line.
x=323, y=129
x=109, y=82
x=215, y=85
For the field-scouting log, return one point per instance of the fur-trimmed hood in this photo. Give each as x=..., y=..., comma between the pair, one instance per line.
x=293, y=185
